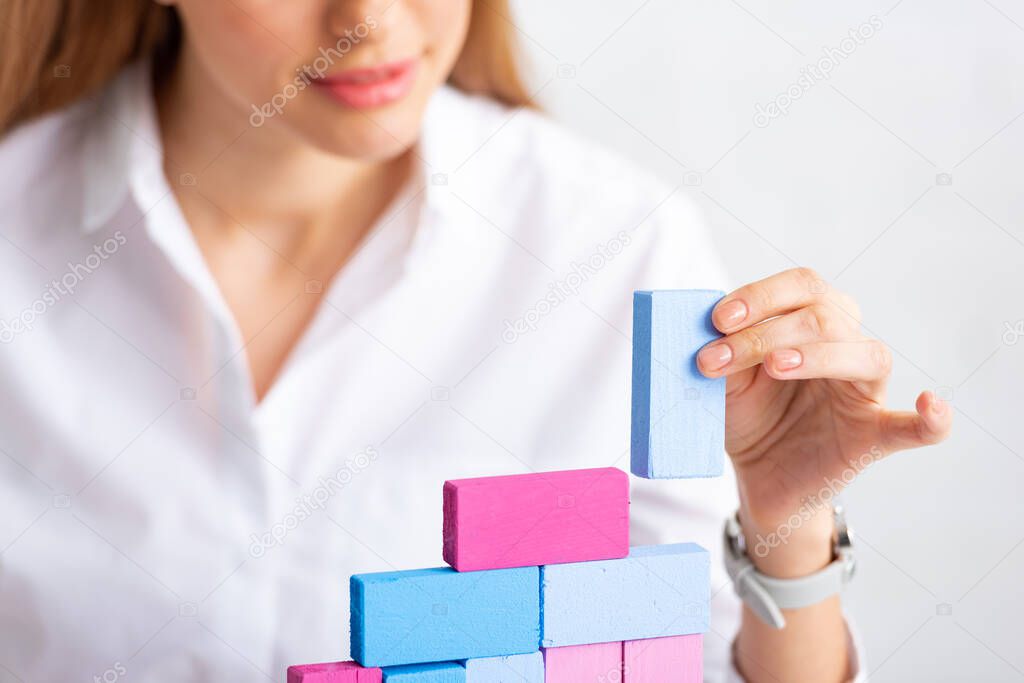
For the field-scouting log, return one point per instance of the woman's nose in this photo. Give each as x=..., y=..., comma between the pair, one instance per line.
x=346, y=16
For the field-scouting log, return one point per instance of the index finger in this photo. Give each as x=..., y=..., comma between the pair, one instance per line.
x=781, y=293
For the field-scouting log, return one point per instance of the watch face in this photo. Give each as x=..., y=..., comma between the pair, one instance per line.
x=734, y=537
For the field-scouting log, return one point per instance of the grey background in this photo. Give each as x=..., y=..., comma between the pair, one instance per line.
x=850, y=182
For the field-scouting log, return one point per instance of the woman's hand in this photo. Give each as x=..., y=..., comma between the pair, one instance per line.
x=805, y=408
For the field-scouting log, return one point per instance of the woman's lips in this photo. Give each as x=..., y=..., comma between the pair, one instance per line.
x=372, y=87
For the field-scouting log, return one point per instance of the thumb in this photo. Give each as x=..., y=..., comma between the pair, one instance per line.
x=930, y=425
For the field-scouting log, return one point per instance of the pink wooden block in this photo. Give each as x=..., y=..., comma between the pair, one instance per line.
x=334, y=672
x=678, y=659
x=600, y=663
x=524, y=520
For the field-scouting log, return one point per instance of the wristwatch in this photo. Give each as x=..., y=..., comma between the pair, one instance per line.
x=767, y=596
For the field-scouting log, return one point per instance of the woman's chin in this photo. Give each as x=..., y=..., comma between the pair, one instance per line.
x=364, y=135
x=373, y=149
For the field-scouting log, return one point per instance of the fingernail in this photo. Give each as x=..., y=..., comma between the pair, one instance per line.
x=787, y=359
x=730, y=314
x=939, y=406
x=715, y=357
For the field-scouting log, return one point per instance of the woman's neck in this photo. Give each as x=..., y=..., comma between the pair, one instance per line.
x=307, y=211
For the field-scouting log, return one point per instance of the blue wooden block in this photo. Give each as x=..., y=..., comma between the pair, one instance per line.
x=678, y=414
x=437, y=615
x=659, y=590
x=512, y=669
x=441, y=672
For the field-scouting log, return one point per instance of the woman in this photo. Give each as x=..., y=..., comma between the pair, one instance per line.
x=277, y=270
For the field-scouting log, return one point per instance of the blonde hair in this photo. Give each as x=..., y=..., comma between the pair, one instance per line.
x=42, y=40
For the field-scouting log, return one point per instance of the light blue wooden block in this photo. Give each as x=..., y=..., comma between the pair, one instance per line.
x=659, y=590
x=442, y=672
x=438, y=615
x=512, y=669
x=678, y=428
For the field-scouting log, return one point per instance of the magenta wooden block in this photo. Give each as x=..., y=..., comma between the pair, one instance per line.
x=600, y=663
x=677, y=658
x=334, y=672
x=525, y=520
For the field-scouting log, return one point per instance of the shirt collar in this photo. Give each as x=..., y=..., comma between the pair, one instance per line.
x=122, y=155
x=123, y=143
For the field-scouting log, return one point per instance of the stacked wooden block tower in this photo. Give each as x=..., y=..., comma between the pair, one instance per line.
x=542, y=584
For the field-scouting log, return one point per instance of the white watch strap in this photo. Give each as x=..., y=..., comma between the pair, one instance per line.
x=806, y=590
x=767, y=596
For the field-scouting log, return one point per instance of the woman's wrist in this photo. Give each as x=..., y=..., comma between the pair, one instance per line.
x=792, y=547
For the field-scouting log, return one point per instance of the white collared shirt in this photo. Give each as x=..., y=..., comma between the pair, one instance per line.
x=156, y=523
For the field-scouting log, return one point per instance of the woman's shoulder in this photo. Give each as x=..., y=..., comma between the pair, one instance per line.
x=35, y=151
x=557, y=192
x=520, y=142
